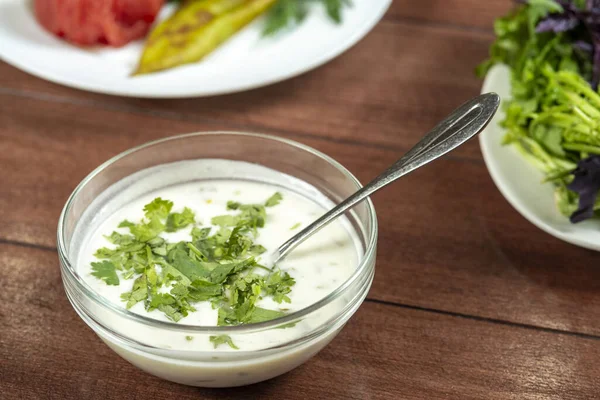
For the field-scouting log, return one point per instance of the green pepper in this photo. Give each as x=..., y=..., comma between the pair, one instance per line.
x=196, y=29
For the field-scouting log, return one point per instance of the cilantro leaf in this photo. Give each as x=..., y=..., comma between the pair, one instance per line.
x=177, y=221
x=262, y=314
x=225, y=221
x=233, y=205
x=120, y=239
x=147, y=231
x=226, y=316
x=256, y=250
x=223, y=339
x=237, y=244
x=138, y=293
x=169, y=305
x=125, y=224
x=105, y=270
x=279, y=285
x=200, y=233
x=217, y=268
x=188, y=266
x=274, y=200
x=201, y=290
x=105, y=252
x=158, y=208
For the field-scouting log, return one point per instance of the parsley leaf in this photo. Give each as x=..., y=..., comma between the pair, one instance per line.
x=286, y=13
x=223, y=339
x=106, y=271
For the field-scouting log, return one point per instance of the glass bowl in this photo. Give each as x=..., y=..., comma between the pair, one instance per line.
x=127, y=333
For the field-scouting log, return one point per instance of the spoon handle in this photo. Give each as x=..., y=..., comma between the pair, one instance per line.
x=461, y=125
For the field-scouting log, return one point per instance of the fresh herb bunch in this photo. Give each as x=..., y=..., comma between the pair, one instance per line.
x=554, y=114
x=287, y=13
x=221, y=267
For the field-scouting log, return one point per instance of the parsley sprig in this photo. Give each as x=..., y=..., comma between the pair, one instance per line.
x=287, y=13
x=219, y=264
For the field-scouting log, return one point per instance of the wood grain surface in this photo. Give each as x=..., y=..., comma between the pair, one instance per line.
x=470, y=301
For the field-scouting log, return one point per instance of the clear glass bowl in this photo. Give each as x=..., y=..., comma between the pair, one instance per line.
x=126, y=332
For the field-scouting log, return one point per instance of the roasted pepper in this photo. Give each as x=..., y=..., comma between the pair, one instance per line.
x=196, y=29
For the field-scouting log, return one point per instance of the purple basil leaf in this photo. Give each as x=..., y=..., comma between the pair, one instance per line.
x=596, y=66
x=587, y=184
x=583, y=46
x=557, y=23
x=593, y=5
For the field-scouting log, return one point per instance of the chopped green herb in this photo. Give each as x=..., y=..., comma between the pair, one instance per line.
x=106, y=271
x=189, y=338
x=158, y=208
x=287, y=13
x=225, y=221
x=274, y=200
x=138, y=293
x=223, y=339
x=295, y=226
x=251, y=216
x=279, y=285
x=177, y=221
x=220, y=267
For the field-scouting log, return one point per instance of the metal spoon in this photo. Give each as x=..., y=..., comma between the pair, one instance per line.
x=458, y=127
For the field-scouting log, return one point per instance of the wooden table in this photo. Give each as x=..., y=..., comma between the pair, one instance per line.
x=470, y=301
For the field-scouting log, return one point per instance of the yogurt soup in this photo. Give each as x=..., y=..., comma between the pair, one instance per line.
x=197, y=253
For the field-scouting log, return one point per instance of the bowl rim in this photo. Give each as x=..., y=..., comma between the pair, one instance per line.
x=363, y=268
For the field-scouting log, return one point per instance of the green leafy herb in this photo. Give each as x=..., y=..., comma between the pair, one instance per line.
x=177, y=221
x=279, y=285
x=138, y=293
x=223, y=339
x=251, y=216
x=158, y=208
x=295, y=226
x=552, y=116
x=287, y=13
x=147, y=230
x=189, y=338
x=216, y=265
x=106, y=271
x=274, y=200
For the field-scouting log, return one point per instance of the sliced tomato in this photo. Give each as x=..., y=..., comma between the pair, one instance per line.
x=88, y=22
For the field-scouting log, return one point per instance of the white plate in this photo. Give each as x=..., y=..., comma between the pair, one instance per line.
x=520, y=182
x=246, y=61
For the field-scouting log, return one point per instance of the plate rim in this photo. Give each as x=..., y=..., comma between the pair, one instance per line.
x=329, y=54
x=512, y=198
